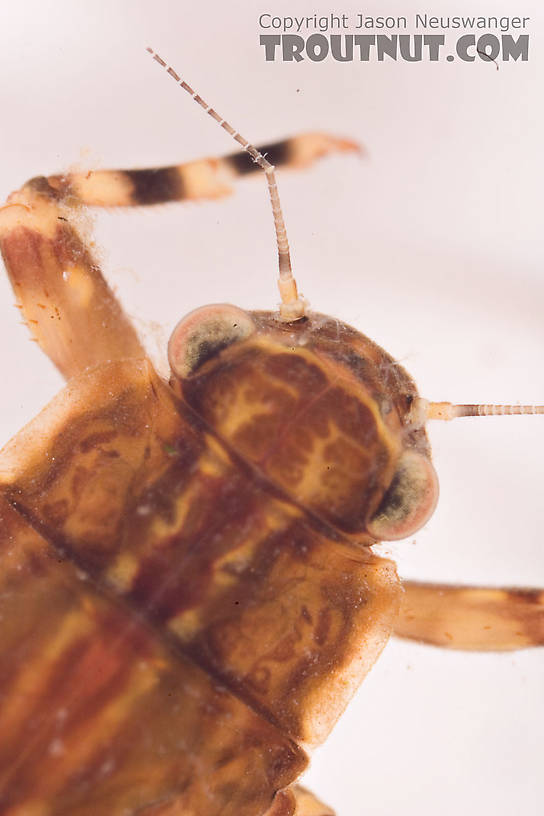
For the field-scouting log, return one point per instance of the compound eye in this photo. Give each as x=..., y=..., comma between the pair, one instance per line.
x=202, y=334
x=409, y=501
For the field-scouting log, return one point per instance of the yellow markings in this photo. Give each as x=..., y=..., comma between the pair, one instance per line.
x=162, y=528
x=270, y=347
x=227, y=569
x=80, y=283
x=240, y=411
x=207, y=467
x=103, y=188
x=121, y=574
x=215, y=448
x=186, y=624
x=31, y=212
x=34, y=676
x=83, y=743
x=275, y=517
x=309, y=475
x=246, y=403
x=205, y=178
x=312, y=462
x=232, y=564
x=211, y=464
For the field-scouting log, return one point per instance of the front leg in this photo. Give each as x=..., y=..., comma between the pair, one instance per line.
x=68, y=306
x=197, y=180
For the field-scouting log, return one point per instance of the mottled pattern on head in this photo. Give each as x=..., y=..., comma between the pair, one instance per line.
x=318, y=408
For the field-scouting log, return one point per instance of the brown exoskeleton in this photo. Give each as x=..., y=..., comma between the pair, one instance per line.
x=188, y=588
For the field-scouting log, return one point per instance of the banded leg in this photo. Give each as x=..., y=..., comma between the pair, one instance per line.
x=201, y=179
x=67, y=304
x=471, y=618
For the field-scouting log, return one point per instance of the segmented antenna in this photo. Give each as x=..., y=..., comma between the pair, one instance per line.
x=422, y=410
x=292, y=306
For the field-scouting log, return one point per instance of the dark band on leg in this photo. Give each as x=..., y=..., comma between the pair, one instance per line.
x=156, y=186
x=278, y=154
x=55, y=188
x=199, y=179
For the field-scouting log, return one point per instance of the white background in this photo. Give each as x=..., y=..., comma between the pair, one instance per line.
x=432, y=246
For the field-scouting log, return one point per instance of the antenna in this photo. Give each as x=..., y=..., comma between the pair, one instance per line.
x=422, y=410
x=292, y=306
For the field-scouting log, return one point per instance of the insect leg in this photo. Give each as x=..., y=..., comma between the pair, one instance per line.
x=472, y=618
x=298, y=801
x=201, y=179
x=308, y=804
x=67, y=304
